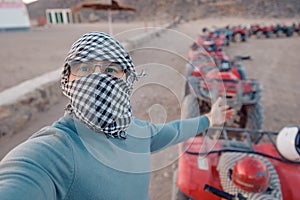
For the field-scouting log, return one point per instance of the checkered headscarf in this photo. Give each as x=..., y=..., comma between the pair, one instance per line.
x=97, y=46
x=101, y=101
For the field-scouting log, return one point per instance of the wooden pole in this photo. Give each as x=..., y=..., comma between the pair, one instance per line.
x=109, y=22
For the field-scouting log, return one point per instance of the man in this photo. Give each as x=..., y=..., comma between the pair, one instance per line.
x=97, y=150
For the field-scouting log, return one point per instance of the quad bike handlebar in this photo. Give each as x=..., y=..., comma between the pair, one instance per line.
x=223, y=194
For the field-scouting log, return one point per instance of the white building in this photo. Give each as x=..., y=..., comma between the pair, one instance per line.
x=13, y=15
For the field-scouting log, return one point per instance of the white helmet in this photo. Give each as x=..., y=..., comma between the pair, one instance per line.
x=288, y=143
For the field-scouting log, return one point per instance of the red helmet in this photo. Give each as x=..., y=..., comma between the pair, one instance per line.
x=251, y=174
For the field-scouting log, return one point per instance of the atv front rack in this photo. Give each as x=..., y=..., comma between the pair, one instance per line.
x=241, y=92
x=237, y=146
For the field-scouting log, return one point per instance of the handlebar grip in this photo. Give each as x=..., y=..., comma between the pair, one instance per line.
x=218, y=192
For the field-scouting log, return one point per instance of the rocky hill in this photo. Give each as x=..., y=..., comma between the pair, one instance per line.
x=187, y=9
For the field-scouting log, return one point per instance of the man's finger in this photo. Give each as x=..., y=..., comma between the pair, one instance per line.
x=224, y=107
x=218, y=101
x=229, y=114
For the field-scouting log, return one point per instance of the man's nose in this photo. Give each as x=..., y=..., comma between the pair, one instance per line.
x=97, y=70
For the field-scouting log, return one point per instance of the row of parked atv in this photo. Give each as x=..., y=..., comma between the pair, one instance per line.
x=278, y=30
x=211, y=73
x=239, y=160
x=243, y=33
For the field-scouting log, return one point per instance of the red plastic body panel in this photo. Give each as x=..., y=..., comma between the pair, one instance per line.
x=230, y=87
x=238, y=30
x=191, y=179
x=289, y=174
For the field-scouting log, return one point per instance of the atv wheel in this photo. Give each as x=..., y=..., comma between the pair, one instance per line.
x=188, y=69
x=204, y=106
x=269, y=34
x=289, y=32
x=186, y=89
x=176, y=193
x=259, y=34
x=179, y=195
x=190, y=107
x=227, y=43
x=279, y=33
x=237, y=37
x=188, y=72
x=245, y=37
x=252, y=118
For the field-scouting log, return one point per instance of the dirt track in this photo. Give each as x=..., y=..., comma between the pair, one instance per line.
x=157, y=97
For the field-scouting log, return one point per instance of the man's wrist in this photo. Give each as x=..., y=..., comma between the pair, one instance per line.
x=209, y=119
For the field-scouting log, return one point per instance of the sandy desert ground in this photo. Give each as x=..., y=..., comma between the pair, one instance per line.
x=158, y=96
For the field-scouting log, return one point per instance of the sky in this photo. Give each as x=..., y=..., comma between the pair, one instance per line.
x=28, y=1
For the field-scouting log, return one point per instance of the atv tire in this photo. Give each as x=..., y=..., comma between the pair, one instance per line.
x=188, y=72
x=269, y=34
x=179, y=195
x=187, y=90
x=252, y=118
x=259, y=34
x=190, y=107
x=245, y=37
x=237, y=37
x=279, y=33
x=289, y=32
x=176, y=192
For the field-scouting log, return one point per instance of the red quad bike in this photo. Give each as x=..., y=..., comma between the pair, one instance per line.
x=220, y=169
x=283, y=30
x=211, y=48
x=208, y=81
x=240, y=34
x=213, y=44
x=225, y=34
x=262, y=30
x=296, y=28
x=201, y=62
x=217, y=37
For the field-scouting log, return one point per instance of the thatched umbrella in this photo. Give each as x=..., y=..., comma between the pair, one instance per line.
x=97, y=5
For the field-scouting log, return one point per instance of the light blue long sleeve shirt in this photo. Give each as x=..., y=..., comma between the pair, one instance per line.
x=69, y=161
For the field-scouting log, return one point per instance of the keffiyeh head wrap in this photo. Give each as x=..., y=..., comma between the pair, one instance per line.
x=101, y=101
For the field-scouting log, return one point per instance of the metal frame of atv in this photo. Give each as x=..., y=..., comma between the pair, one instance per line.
x=243, y=146
x=236, y=87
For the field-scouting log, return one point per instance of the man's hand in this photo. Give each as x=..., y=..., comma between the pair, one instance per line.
x=219, y=114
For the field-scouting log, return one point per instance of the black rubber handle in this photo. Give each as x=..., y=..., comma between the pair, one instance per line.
x=218, y=192
x=222, y=193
